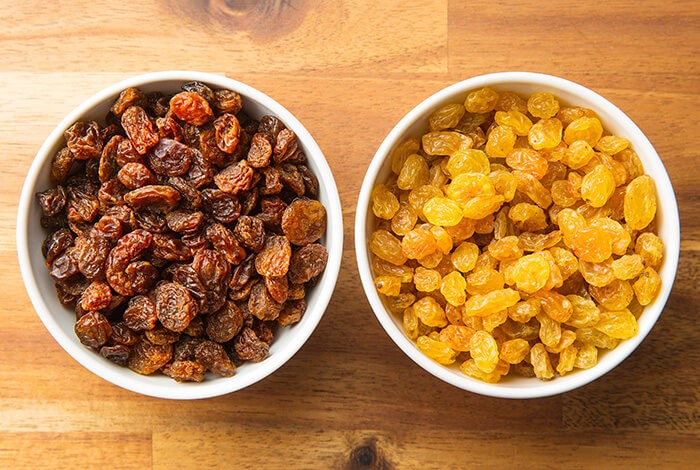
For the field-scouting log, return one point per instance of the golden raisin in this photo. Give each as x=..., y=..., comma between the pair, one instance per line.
x=481, y=101
x=436, y=350
x=542, y=105
x=429, y=311
x=640, y=202
x=647, y=286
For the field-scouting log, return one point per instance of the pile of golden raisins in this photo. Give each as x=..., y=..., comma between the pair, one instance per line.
x=516, y=236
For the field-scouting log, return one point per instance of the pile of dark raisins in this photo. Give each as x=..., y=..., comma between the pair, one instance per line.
x=183, y=233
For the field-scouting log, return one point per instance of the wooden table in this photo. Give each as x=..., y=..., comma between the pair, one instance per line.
x=349, y=70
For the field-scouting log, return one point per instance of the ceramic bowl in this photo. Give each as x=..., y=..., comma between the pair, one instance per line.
x=60, y=321
x=617, y=123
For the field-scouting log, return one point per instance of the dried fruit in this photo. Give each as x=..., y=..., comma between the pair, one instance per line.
x=133, y=227
x=640, y=202
x=304, y=221
x=429, y=311
x=650, y=247
x=175, y=307
x=384, y=203
x=274, y=259
x=414, y=173
x=139, y=129
x=647, y=286
x=597, y=186
x=484, y=351
x=436, y=350
x=453, y=288
x=491, y=302
x=191, y=108
x=556, y=220
x=93, y=329
x=146, y=357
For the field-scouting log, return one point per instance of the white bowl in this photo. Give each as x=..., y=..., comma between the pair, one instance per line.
x=615, y=121
x=60, y=321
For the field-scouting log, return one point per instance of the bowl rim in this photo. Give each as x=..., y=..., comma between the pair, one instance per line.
x=175, y=390
x=641, y=144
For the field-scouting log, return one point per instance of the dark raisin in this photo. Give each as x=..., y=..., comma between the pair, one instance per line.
x=271, y=181
x=84, y=140
x=93, y=329
x=195, y=328
x=91, y=254
x=260, y=150
x=126, y=153
x=262, y=305
x=271, y=210
x=222, y=325
x=250, y=231
x=135, y=175
x=140, y=314
x=187, y=277
x=285, y=146
x=128, y=98
x=235, y=178
x=97, y=296
x=184, y=350
x=162, y=335
x=307, y=262
x=249, y=347
x=170, y=158
x=184, y=222
x=274, y=258
x=199, y=88
x=211, y=152
x=291, y=178
x=225, y=242
x=61, y=165
x=139, y=129
x=146, y=357
x=157, y=197
x=292, y=312
x=222, y=206
x=271, y=126
x=52, y=201
x=170, y=248
x=119, y=353
x=248, y=199
x=55, y=244
x=168, y=128
x=227, y=101
x=278, y=288
x=263, y=331
x=191, y=108
x=151, y=221
x=185, y=371
x=64, y=266
x=201, y=172
x=108, y=160
x=212, y=356
x=122, y=334
x=175, y=307
x=111, y=193
x=304, y=221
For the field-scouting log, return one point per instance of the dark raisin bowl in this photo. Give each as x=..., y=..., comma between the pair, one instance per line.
x=60, y=320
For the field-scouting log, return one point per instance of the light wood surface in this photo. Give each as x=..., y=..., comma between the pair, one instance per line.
x=349, y=69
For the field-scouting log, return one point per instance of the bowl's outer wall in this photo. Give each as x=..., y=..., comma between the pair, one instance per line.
x=616, y=123
x=60, y=321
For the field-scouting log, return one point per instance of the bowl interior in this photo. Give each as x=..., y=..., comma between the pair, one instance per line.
x=60, y=320
x=615, y=122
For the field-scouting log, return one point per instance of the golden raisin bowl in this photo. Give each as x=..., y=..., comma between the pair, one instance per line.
x=59, y=320
x=415, y=123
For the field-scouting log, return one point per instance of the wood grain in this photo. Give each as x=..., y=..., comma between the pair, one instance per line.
x=350, y=69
